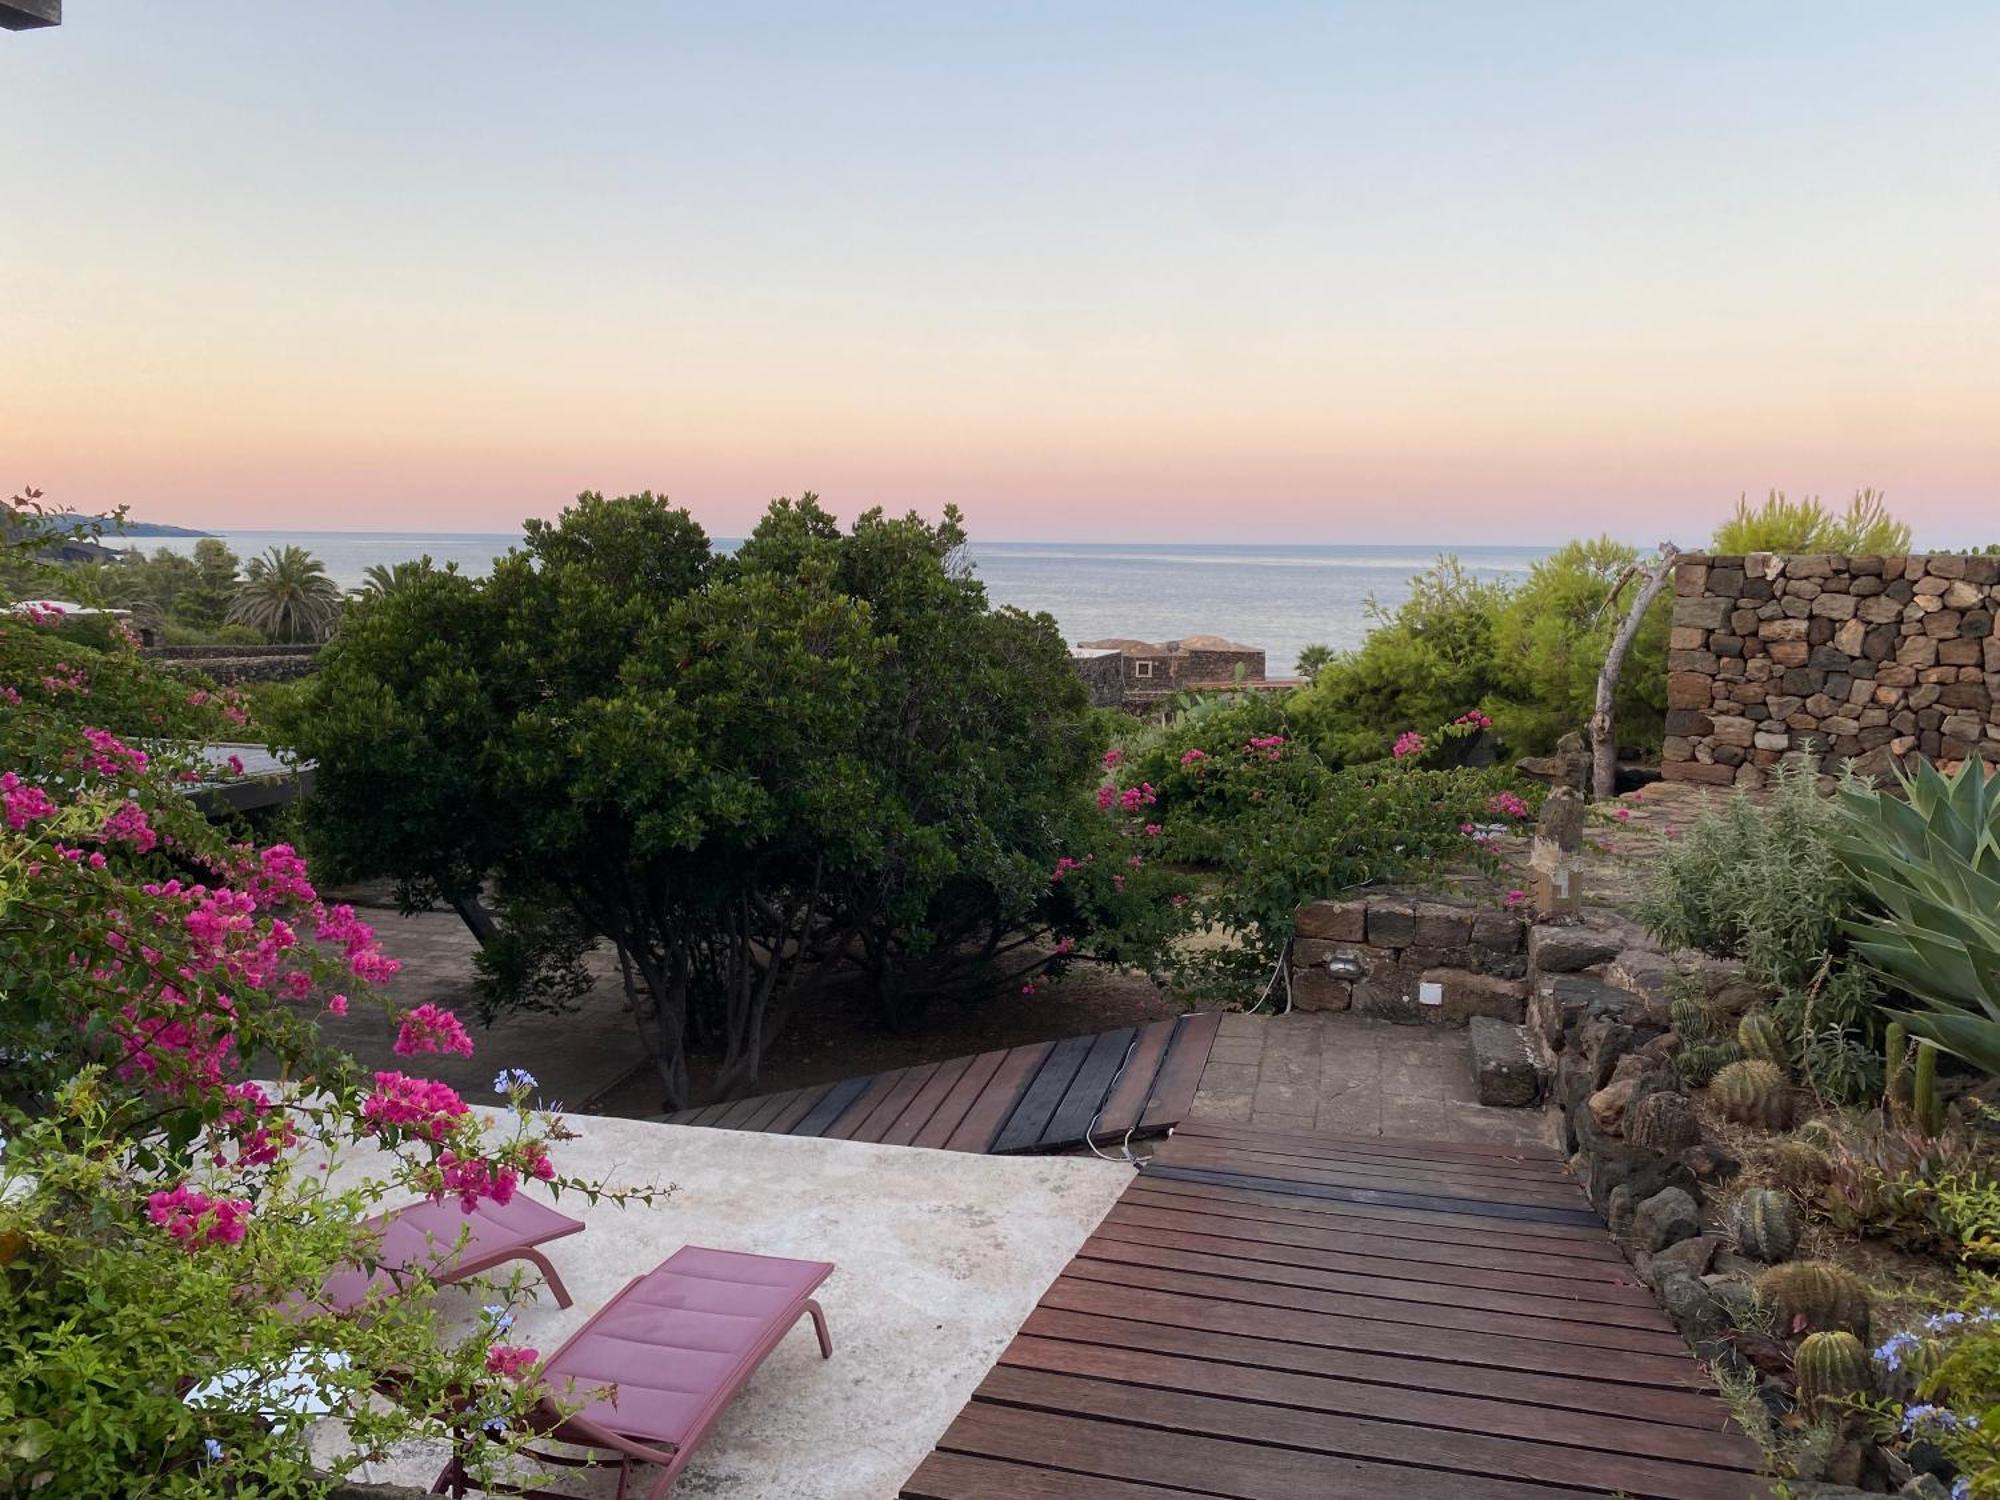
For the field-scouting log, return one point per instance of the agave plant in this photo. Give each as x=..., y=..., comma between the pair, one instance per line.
x=1930, y=861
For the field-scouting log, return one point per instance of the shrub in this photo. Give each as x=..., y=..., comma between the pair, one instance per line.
x=1864, y=529
x=1952, y=1359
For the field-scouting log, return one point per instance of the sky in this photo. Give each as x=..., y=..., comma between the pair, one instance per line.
x=1409, y=272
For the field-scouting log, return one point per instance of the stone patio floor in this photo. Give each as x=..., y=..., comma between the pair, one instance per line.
x=1353, y=1075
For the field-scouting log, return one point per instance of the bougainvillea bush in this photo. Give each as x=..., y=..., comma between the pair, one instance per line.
x=165, y=1217
x=1240, y=797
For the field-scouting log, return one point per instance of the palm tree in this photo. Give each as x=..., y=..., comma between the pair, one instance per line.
x=381, y=581
x=286, y=594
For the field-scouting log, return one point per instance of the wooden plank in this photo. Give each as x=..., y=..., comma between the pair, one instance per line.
x=1294, y=1286
x=951, y=1110
x=996, y=1102
x=1039, y=1099
x=801, y=1105
x=1428, y=1202
x=1396, y=1179
x=772, y=1106
x=1135, y=1086
x=893, y=1103
x=1501, y=1345
x=1472, y=1151
x=1072, y=1118
x=832, y=1105
x=707, y=1114
x=1204, y=1465
x=1557, y=1240
x=1180, y=1072
x=960, y=1476
x=1415, y=1405
x=920, y=1109
x=1382, y=1276
x=849, y=1120
x=1390, y=1154
x=1459, y=1265
x=738, y=1111
x=1666, y=1424
x=1471, y=1455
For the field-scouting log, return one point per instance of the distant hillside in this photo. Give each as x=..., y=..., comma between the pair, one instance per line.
x=147, y=528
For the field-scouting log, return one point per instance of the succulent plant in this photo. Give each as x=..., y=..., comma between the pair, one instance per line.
x=1831, y=1369
x=1701, y=1062
x=1663, y=1121
x=1814, y=1296
x=1799, y=1165
x=1926, y=1113
x=1753, y=1092
x=1765, y=1224
x=1759, y=1037
x=1692, y=1018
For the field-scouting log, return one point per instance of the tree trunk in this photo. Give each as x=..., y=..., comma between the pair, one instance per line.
x=1603, y=731
x=478, y=920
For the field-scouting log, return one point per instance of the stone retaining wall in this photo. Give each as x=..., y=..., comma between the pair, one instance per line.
x=1410, y=957
x=1875, y=658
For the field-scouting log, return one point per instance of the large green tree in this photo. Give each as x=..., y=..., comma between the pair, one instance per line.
x=747, y=773
x=286, y=594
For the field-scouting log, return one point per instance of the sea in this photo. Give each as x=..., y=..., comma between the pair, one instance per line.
x=1279, y=596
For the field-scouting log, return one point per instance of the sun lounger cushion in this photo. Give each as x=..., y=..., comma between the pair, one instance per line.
x=427, y=1235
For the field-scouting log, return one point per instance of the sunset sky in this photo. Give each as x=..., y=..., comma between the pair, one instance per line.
x=1324, y=272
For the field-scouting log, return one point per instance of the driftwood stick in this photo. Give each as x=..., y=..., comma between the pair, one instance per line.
x=1603, y=731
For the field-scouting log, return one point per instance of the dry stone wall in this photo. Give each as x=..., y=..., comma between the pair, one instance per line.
x=1874, y=658
x=1410, y=957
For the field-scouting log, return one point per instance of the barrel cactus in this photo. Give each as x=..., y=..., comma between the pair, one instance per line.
x=1701, y=1062
x=1799, y=1165
x=1813, y=1296
x=1754, y=1092
x=1759, y=1037
x=1692, y=1019
x=1831, y=1369
x=1662, y=1122
x=1765, y=1224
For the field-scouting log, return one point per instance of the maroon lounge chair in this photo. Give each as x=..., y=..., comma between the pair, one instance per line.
x=659, y=1362
x=452, y=1243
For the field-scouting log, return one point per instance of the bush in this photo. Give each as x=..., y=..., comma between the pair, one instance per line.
x=159, y=1212
x=1864, y=529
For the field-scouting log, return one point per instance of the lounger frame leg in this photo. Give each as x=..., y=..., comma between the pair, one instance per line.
x=542, y=1263
x=819, y=1327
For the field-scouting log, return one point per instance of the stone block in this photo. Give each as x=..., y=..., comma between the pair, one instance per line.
x=1700, y=611
x=1497, y=932
x=1835, y=606
x=1554, y=949
x=1314, y=989
x=1788, y=653
x=1467, y=994
x=1503, y=1067
x=1695, y=771
x=1438, y=925
x=1690, y=578
x=1391, y=924
x=1335, y=921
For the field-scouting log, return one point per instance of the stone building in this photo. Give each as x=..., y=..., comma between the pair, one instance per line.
x=1144, y=672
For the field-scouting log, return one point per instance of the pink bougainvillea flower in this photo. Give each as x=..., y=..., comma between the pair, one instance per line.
x=1113, y=757
x=1153, y=830
x=510, y=1361
x=1192, y=756
x=1624, y=814
x=23, y=803
x=1507, y=804
x=1515, y=898
x=420, y=1107
x=195, y=1219
x=431, y=1028
x=1106, y=795
x=1408, y=743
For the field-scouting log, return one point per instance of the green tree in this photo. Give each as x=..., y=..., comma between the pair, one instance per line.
x=380, y=578
x=1864, y=529
x=1312, y=658
x=286, y=594
x=204, y=603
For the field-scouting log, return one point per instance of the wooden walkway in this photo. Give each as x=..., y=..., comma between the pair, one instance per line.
x=1274, y=1316
x=1047, y=1096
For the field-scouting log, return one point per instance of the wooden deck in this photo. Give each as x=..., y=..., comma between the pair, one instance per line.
x=1274, y=1316
x=1048, y=1096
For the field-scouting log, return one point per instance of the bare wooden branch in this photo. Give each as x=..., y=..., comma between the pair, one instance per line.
x=1603, y=731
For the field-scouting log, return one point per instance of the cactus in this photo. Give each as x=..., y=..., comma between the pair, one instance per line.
x=1701, y=1062
x=1896, y=1068
x=1663, y=1122
x=1754, y=1093
x=1831, y=1369
x=1765, y=1224
x=1758, y=1035
x=1926, y=1113
x=1813, y=1296
x=1799, y=1165
x=1692, y=1019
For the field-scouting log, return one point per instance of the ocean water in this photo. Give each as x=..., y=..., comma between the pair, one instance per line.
x=1278, y=596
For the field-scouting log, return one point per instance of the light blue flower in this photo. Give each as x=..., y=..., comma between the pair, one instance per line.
x=1927, y=1415
x=507, y=1080
x=502, y=1319
x=1961, y=1488
x=1941, y=1321
x=213, y=1449
x=1890, y=1355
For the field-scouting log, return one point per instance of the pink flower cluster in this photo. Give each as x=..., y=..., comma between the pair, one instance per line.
x=1192, y=756
x=127, y=825
x=431, y=1028
x=1153, y=830
x=1508, y=804
x=66, y=679
x=1135, y=797
x=511, y=1362
x=111, y=756
x=1065, y=865
x=357, y=940
x=1272, y=746
x=474, y=1178
x=1475, y=719
x=1409, y=743
x=23, y=802
x=1515, y=898
x=1113, y=758
x=195, y=1219
x=44, y=614
x=251, y=1119
x=420, y=1107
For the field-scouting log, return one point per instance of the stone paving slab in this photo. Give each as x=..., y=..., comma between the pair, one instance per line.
x=1353, y=1075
